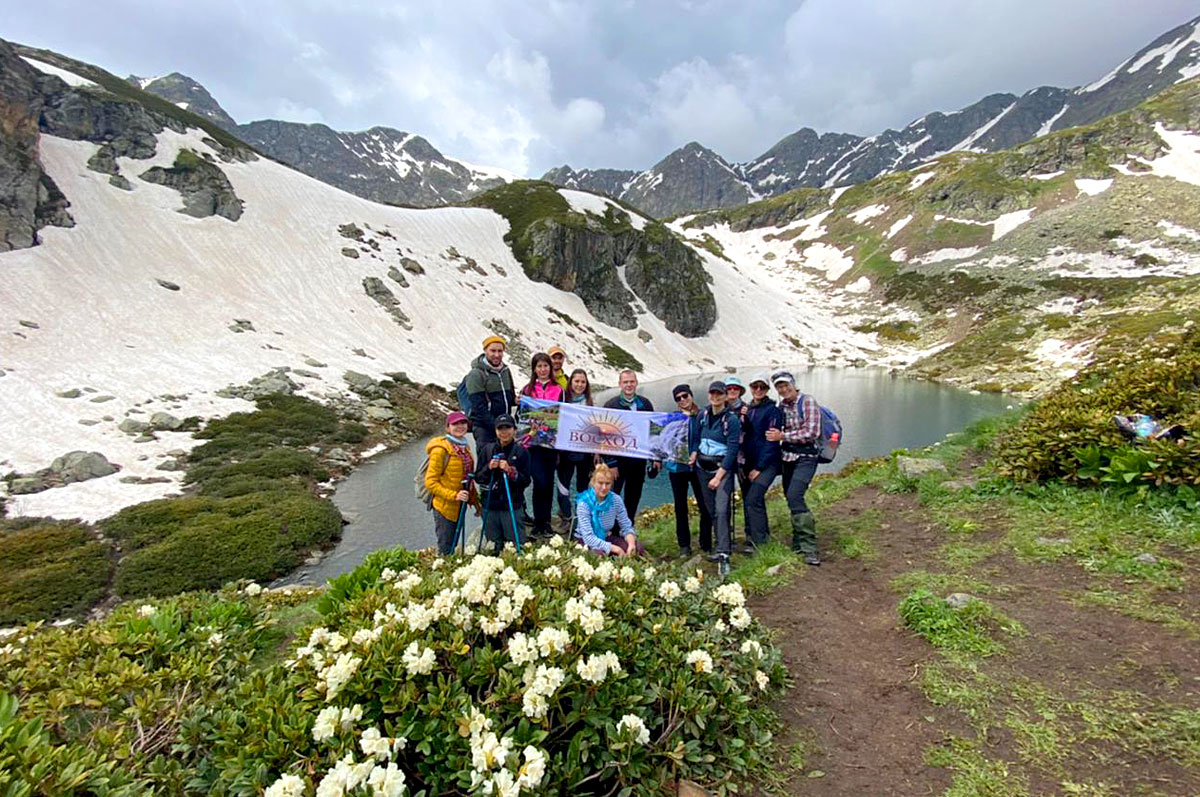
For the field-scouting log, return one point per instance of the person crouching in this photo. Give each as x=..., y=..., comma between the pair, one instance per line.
x=602, y=524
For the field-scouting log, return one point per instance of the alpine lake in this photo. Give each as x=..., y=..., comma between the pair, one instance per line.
x=880, y=412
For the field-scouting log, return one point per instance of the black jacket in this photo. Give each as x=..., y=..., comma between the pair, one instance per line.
x=486, y=477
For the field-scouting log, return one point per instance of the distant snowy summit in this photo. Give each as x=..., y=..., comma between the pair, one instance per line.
x=380, y=164
x=695, y=178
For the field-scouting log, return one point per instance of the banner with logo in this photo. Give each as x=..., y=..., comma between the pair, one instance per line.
x=596, y=430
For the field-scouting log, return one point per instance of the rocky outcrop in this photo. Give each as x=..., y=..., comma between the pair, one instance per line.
x=670, y=278
x=187, y=94
x=384, y=297
x=29, y=198
x=583, y=261
x=205, y=189
x=274, y=381
x=74, y=466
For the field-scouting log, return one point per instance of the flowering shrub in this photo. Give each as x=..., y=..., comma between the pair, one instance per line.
x=554, y=672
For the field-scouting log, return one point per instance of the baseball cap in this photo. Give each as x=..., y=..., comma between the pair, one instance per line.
x=783, y=376
x=505, y=419
x=716, y=386
x=455, y=417
x=556, y=350
x=760, y=378
x=680, y=390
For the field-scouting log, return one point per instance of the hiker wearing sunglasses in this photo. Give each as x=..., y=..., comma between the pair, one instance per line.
x=761, y=459
x=799, y=441
x=683, y=475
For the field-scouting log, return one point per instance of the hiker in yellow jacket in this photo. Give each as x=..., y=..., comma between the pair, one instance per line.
x=448, y=479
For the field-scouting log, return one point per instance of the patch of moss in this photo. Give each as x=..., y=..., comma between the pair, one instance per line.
x=902, y=331
x=50, y=569
x=617, y=357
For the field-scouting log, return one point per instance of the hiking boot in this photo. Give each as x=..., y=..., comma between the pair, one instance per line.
x=811, y=558
x=685, y=552
x=722, y=565
x=749, y=549
x=718, y=557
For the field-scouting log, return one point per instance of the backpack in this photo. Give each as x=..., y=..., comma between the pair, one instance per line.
x=464, y=400
x=419, y=489
x=706, y=413
x=831, y=435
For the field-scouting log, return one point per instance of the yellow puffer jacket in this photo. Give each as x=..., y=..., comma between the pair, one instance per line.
x=444, y=477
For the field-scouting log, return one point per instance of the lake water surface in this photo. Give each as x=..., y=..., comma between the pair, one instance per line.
x=879, y=411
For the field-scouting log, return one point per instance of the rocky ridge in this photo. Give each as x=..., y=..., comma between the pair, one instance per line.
x=807, y=158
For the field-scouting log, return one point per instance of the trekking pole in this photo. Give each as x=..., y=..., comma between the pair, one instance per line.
x=512, y=516
x=486, y=507
x=460, y=527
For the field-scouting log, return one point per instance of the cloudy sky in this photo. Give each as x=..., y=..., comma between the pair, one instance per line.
x=601, y=83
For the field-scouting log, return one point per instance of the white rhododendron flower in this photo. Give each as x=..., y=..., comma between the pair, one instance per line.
x=544, y=682
x=374, y=743
x=417, y=661
x=669, y=591
x=730, y=594
x=336, y=675
x=553, y=573
x=692, y=585
x=146, y=610
x=534, y=705
x=592, y=621
x=557, y=542
x=215, y=639
x=388, y=574
x=252, y=589
x=335, y=642
x=350, y=716
x=762, y=679
x=346, y=776
x=650, y=572
x=700, y=660
x=752, y=646
x=597, y=666
x=545, y=553
x=552, y=641
x=386, y=781
x=594, y=597
x=463, y=618
x=407, y=582
x=443, y=603
x=437, y=563
x=719, y=626
x=488, y=751
x=318, y=637
x=521, y=649
x=633, y=723
x=739, y=618
x=533, y=770
x=287, y=786
x=627, y=574
x=363, y=637
x=493, y=627
x=418, y=616
x=327, y=723
x=605, y=571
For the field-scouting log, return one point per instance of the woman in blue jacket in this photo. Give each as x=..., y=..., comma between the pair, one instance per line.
x=714, y=454
x=761, y=458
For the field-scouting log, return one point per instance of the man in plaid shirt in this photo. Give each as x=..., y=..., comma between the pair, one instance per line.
x=800, y=441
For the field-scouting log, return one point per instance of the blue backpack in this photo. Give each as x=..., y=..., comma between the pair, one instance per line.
x=464, y=400
x=831, y=435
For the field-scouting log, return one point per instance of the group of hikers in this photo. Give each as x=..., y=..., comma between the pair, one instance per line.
x=731, y=441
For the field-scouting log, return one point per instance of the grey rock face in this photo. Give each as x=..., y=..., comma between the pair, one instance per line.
x=384, y=297
x=915, y=467
x=29, y=198
x=380, y=414
x=78, y=466
x=27, y=485
x=411, y=266
x=359, y=382
x=205, y=189
x=69, y=394
x=397, y=276
x=313, y=362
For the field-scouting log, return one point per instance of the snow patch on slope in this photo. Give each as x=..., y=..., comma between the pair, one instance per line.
x=70, y=78
x=583, y=202
x=862, y=215
x=1009, y=222
x=1093, y=187
x=1183, y=160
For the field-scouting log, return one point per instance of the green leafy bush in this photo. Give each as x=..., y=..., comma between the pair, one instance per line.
x=554, y=672
x=202, y=543
x=278, y=421
x=1070, y=434
x=101, y=704
x=50, y=569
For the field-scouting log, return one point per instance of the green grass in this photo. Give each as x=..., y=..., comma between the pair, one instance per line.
x=617, y=357
x=971, y=629
x=975, y=775
x=1140, y=605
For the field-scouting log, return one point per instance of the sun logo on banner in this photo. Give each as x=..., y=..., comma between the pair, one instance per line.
x=605, y=430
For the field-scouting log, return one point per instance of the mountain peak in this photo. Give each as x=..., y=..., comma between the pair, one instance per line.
x=187, y=94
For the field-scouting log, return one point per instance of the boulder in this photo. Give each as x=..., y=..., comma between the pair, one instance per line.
x=101, y=399
x=171, y=286
x=959, y=600
x=380, y=414
x=165, y=421
x=69, y=394
x=359, y=382
x=411, y=266
x=350, y=252
x=1146, y=559
x=26, y=485
x=78, y=466
x=916, y=467
x=397, y=276
x=133, y=426
x=272, y=382
x=309, y=361
x=205, y=189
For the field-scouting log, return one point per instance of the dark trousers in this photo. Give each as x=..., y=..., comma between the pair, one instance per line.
x=498, y=524
x=444, y=529
x=719, y=503
x=570, y=465
x=758, y=528
x=482, y=437
x=680, y=482
x=629, y=483
x=796, y=478
x=743, y=486
x=542, y=464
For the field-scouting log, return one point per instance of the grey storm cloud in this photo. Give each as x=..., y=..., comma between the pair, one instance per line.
x=602, y=83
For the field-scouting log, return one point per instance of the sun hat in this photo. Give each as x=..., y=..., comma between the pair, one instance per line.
x=733, y=381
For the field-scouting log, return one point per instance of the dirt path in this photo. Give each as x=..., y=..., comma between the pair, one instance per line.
x=855, y=669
